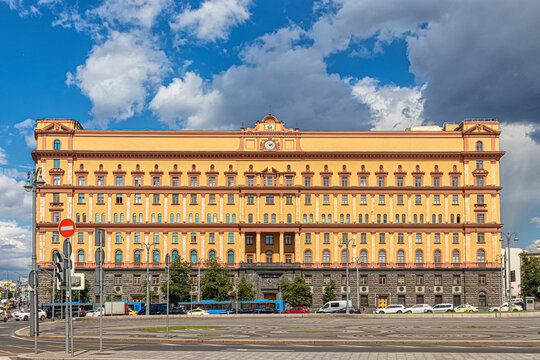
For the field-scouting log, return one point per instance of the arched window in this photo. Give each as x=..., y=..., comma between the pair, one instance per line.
x=326, y=256
x=273, y=218
x=56, y=144
x=344, y=256
x=174, y=256
x=400, y=256
x=433, y=218
x=118, y=256
x=341, y=219
x=80, y=254
x=397, y=218
x=382, y=257
x=415, y=218
x=196, y=218
x=228, y=218
x=190, y=218
x=266, y=218
x=481, y=256
x=479, y=146
x=215, y=218
x=311, y=218
x=421, y=218
x=135, y=218
x=212, y=255
x=230, y=257
x=115, y=217
x=305, y=218
x=359, y=218
x=209, y=218
x=307, y=256
x=378, y=218
x=193, y=256
x=269, y=256
x=233, y=218
x=289, y=218
x=440, y=218
x=384, y=219
x=137, y=257
x=329, y=218
x=158, y=218
x=437, y=256
x=323, y=218
x=155, y=257
x=451, y=218
x=363, y=256
x=348, y=218
x=455, y=256
x=250, y=218
x=419, y=259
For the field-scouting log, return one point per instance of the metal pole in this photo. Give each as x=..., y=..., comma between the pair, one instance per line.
x=199, y=282
x=53, y=292
x=67, y=312
x=237, y=298
x=357, y=286
x=501, y=287
x=33, y=303
x=168, y=282
x=101, y=303
x=70, y=307
x=147, y=280
x=508, y=246
x=347, y=282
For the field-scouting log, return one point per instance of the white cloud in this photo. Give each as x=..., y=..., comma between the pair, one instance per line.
x=186, y=103
x=392, y=107
x=141, y=13
x=15, y=244
x=534, y=246
x=26, y=129
x=536, y=220
x=117, y=75
x=3, y=157
x=16, y=203
x=213, y=20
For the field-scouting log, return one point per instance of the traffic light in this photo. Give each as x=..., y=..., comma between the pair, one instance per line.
x=60, y=269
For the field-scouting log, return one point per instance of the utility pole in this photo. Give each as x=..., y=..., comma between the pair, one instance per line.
x=356, y=259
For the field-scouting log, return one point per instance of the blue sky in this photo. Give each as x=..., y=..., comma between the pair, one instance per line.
x=213, y=64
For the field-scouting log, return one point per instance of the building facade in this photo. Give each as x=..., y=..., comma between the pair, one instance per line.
x=421, y=207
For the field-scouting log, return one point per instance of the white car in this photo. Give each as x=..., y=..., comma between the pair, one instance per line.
x=24, y=315
x=419, y=309
x=391, y=309
x=197, y=312
x=505, y=308
x=443, y=308
x=92, y=313
x=466, y=308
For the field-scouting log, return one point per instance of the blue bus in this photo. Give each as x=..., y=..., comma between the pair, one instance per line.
x=218, y=307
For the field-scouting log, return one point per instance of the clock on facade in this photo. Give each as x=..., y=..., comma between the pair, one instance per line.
x=269, y=127
x=269, y=145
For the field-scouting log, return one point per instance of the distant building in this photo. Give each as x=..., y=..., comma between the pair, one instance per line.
x=515, y=271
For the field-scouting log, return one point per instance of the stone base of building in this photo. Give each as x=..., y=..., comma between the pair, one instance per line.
x=372, y=287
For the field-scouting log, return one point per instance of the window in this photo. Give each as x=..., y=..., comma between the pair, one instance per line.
x=175, y=181
x=363, y=256
x=363, y=199
x=480, y=199
x=307, y=256
x=326, y=256
x=455, y=238
x=230, y=257
x=400, y=199
x=482, y=300
x=288, y=199
x=400, y=256
x=56, y=164
x=138, y=199
x=56, y=145
x=437, y=256
x=193, y=199
x=265, y=217
x=420, y=280
x=138, y=181
x=137, y=257
x=269, y=239
x=326, y=181
x=230, y=181
x=118, y=256
x=418, y=238
x=363, y=238
x=480, y=218
x=455, y=181
x=326, y=238
x=55, y=217
x=288, y=181
x=249, y=259
x=380, y=181
x=270, y=199
x=269, y=257
x=456, y=280
x=381, y=238
x=56, y=180
x=363, y=181
x=481, y=256
x=193, y=256
x=101, y=181
x=344, y=257
x=436, y=181
x=437, y=238
x=155, y=280
x=455, y=256
x=482, y=279
x=326, y=199
x=249, y=239
x=417, y=181
x=344, y=200
x=118, y=238
x=230, y=199
x=382, y=257
x=308, y=199
x=193, y=238
x=155, y=181
x=250, y=199
x=308, y=238
x=438, y=281
x=480, y=238
x=250, y=180
x=231, y=238
x=326, y=280
x=455, y=200
x=307, y=181
x=193, y=181
x=80, y=256
x=419, y=257
x=381, y=199
x=436, y=199
x=418, y=199
x=399, y=181
x=479, y=146
x=82, y=181
x=382, y=279
x=344, y=181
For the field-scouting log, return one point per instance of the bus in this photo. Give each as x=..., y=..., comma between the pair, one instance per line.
x=217, y=307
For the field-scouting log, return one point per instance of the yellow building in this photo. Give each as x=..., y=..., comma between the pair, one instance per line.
x=421, y=206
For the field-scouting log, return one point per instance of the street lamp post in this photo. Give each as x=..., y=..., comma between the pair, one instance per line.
x=199, y=279
x=509, y=237
x=501, y=287
x=345, y=242
x=148, y=246
x=356, y=259
x=34, y=180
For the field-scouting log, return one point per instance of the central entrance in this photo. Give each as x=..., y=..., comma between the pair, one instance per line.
x=383, y=301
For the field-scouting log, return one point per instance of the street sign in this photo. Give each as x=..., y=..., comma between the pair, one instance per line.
x=99, y=236
x=97, y=273
x=66, y=228
x=539, y=289
x=168, y=259
x=96, y=290
x=77, y=282
x=32, y=279
x=100, y=255
x=67, y=248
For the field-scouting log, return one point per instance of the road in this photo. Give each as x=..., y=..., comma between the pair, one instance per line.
x=11, y=346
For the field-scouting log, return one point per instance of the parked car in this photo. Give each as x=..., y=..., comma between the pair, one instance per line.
x=155, y=309
x=466, y=308
x=505, y=307
x=297, y=310
x=177, y=310
x=391, y=309
x=246, y=311
x=24, y=315
x=92, y=313
x=267, y=311
x=419, y=309
x=330, y=306
x=443, y=308
x=197, y=312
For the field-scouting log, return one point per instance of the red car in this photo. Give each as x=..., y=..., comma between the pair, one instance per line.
x=296, y=310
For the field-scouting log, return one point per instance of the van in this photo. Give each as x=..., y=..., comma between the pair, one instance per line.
x=332, y=306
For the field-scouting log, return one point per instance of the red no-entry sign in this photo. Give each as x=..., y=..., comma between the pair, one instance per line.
x=66, y=228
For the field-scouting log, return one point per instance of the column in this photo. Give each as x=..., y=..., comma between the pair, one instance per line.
x=221, y=247
x=241, y=256
x=70, y=207
x=184, y=208
x=316, y=258
x=281, y=219
x=297, y=247
x=409, y=216
x=446, y=257
x=446, y=209
x=354, y=214
x=391, y=257
x=147, y=208
x=335, y=209
x=258, y=247
x=374, y=259
x=166, y=208
x=221, y=208
x=203, y=254
x=108, y=246
x=281, y=247
x=128, y=243
x=372, y=216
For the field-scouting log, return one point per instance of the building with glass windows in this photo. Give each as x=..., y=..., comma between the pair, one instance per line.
x=419, y=208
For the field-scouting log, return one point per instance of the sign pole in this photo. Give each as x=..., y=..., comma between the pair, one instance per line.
x=168, y=263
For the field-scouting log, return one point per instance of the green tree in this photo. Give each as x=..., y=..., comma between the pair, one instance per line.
x=245, y=290
x=180, y=282
x=329, y=293
x=530, y=276
x=85, y=294
x=154, y=297
x=215, y=284
x=296, y=293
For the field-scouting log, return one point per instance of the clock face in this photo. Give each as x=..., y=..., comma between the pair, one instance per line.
x=270, y=145
x=269, y=127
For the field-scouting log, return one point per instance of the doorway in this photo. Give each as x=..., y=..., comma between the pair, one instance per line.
x=270, y=296
x=383, y=301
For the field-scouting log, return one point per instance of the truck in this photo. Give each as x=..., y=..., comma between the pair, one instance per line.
x=333, y=306
x=115, y=308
